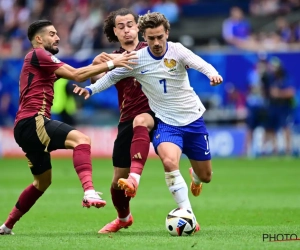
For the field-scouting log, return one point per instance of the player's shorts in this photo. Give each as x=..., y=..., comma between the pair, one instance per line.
x=192, y=139
x=121, y=151
x=38, y=136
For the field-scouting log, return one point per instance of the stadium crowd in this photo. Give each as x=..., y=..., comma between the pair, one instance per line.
x=81, y=21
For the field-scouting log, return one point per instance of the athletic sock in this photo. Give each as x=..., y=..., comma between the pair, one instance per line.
x=83, y=165
x=26, y=200
x=178, y=189
x=121, y=202
x=196, y=179
x=139, y=150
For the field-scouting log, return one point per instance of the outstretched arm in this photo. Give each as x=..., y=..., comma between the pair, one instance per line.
x=104, y=82
x=191, y=60
x=82, y=74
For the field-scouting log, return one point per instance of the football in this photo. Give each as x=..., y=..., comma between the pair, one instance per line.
x=181, y=222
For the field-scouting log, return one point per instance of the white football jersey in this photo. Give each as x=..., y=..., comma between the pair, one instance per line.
x=165, y=82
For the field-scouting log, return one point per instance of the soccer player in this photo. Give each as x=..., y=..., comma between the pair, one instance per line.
x=162, y=71
x=136, y=118
x=36, y=133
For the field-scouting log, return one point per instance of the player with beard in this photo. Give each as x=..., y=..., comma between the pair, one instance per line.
x=132, y=144
x=36, y=133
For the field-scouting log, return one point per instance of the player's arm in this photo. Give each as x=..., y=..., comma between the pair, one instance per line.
x=102, y=58
x=104, y=82
x=82, y=74
x=191, y=60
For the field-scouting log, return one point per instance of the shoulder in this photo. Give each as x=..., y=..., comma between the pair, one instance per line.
x=142, y=45
x=172, y=45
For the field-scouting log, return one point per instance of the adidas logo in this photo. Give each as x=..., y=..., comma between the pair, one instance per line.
x=137, y=156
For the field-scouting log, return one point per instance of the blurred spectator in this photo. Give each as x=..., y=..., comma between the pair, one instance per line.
x=280, y=106
x=258, y=84
x=284, y=30
x=141, y=7
x=169, y=8
x=264, y=7
x=236, y=29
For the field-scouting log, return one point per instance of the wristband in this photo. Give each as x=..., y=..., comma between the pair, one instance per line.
x=89, y=90
x=110, y=64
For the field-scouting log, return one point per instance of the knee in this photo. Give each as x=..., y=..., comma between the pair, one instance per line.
x=139, y=121
x=84, y=139
x=206, y=177
x=170, y=164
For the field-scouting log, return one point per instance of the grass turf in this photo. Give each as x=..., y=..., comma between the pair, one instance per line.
x=246, y=199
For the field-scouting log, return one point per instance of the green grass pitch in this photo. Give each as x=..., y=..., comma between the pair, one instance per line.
x=246, y=199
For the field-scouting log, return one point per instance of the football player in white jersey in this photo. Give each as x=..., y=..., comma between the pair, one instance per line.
x=162, y=71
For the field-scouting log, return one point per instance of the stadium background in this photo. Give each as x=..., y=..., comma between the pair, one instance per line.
x=246, y=198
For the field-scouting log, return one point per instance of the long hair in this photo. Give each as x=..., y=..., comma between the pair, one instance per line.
x=153, y=20
x=109, y=23
x=37, y=26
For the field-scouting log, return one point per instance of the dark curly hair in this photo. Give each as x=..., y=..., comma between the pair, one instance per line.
x=36, y=27
x=109, y=23
x=153, y=20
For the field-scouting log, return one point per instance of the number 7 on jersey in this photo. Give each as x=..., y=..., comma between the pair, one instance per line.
x=164, y=82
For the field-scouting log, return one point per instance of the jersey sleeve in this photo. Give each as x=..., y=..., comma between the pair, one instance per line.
x=191, y=60
x=109, y=79
x=46, y=61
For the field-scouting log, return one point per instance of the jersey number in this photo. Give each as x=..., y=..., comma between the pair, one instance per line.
x=164, y=82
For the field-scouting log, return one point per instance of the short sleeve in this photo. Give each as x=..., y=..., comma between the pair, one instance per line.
x=46, y=61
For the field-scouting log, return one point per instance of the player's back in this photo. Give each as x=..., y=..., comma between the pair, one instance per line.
x=132, y=100
x=36, y=84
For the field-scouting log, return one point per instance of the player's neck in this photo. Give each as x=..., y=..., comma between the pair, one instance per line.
x=130, y=47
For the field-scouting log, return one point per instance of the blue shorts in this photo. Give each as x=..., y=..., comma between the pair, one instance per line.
x=192, y=138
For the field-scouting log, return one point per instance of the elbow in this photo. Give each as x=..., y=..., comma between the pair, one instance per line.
x=78, y=77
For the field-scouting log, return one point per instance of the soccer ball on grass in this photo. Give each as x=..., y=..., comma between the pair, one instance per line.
x=181, y=222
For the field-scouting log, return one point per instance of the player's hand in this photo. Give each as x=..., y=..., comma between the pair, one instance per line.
x=124, y=59
x=216, y=80
x=102, y=58
x=81, y=91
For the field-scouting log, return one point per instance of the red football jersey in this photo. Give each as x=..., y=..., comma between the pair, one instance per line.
x=36, y=84
x=132, y=100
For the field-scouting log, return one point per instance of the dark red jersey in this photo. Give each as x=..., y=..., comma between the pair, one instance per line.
x=132, y=100
x=36, y=84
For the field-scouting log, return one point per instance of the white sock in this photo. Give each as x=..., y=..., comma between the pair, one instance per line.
x=137, y=177
x=196, y=178
x=178, y=189
x=126, y=218
x=89, y=192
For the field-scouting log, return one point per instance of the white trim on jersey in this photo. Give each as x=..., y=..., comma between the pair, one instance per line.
x=165, y=82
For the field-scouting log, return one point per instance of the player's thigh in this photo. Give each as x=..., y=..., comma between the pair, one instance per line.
x=27, y=136
x=121, y=151
x=39, y=162
x=169, y=153
x=168, y=142
x=196, y=148
x=54, y=133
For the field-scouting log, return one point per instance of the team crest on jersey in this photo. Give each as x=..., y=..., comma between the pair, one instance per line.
x=55, y=59
x=171, y=64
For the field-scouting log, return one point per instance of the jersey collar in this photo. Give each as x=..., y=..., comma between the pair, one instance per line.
x=157, y=57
